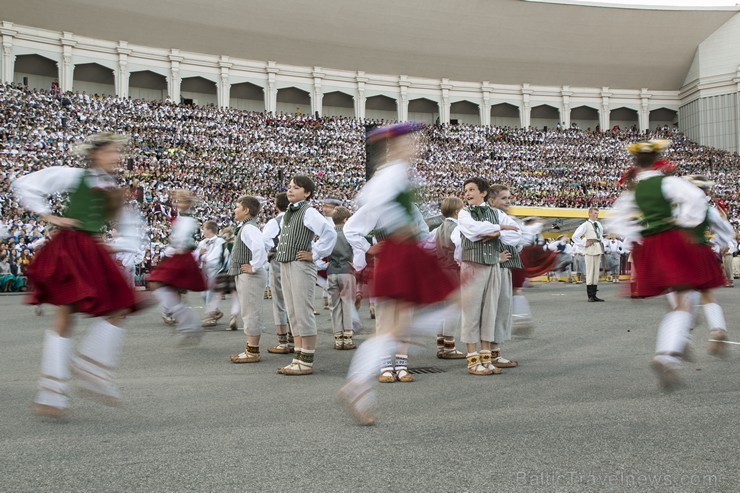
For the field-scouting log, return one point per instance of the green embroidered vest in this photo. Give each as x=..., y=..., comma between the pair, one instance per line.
x=87, y=206
x=657, y=211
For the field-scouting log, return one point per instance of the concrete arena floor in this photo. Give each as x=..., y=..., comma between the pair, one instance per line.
x=581, y=413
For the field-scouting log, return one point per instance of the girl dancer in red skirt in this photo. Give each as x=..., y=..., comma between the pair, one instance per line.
x=664, y=213
x=179, y=272
x=406, y=275
x=76, y=272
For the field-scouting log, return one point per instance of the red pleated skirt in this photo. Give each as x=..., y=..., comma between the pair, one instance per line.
x=536, y=260
x=405, y=271
x=673, y=261
x=180, y=271
x=74, y=268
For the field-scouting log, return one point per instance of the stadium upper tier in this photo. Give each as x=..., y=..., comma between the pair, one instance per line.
x=502, y=41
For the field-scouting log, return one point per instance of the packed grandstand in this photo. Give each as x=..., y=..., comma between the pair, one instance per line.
x=220, y=153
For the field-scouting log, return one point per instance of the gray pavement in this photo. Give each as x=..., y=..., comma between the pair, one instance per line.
x=581, y=413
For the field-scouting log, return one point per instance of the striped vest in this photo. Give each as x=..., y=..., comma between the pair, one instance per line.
x=445, y=247
x=481, y=252
x=240, y=254
x=515, y=262
x=295, y=236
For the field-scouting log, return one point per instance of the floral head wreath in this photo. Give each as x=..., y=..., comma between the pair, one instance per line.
x=668, y=168
x=98, y=141
x=649, y=147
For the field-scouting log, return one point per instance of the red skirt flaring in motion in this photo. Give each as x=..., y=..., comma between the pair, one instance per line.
x=673, y=261
x=75, y=268
x=405, y=271
x=180, y=271
x=537, y=262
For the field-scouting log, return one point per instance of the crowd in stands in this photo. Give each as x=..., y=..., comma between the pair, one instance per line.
x=220, y=154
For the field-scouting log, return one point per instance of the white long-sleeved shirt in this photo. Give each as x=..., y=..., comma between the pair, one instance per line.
x=212, y=259
x=690, y=211
x=313, y=220
x=457, y=241
x=33, y=190
x=271, y=230
x=475, y=230
x=612, y=246
x=182, y=236
x=253, y=239
x=131, y=234
x=514, y=238
x=580, y=232
x=380, y=192
x=379, y=210
x=531, y=232
x=357, y=227
x=561, y=247
x=724, y=235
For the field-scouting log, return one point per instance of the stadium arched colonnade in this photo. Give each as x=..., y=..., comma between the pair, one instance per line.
x=47, y=59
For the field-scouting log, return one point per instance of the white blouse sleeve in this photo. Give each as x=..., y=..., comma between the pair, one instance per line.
x=183, y=232
x=33, y=190
x=269, y=232
x=723, y=233
x=508, y=237
x=457, y=241
x=472, y=229
x=314, y=221
x=691, y=199
x=623, y=218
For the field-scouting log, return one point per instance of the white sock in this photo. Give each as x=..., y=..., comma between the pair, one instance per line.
x=356, y=325
x=671, y=299
x=235, y=307
x=368, y=358
x=673, y=333
x=53, y=383
x=187, y=322
x=715, y=317
x=102, y=343
x=520, y=306
x=213, y=300
x=98, y=354
x=168, y=298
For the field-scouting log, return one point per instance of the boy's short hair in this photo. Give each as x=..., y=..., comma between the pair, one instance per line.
x=593, y=209
x=306, y=183
x=496, y=189
x=340, y=214
x=451, y=205
x=211, y=226
x=282, y=202
x=483, y=186
x=249, y=204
